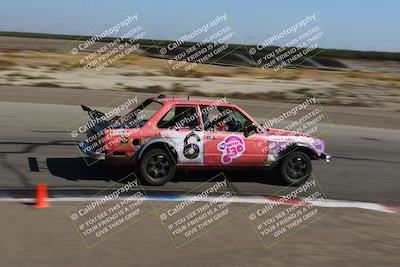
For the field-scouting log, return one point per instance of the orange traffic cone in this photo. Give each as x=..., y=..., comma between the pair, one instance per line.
x=41, y=196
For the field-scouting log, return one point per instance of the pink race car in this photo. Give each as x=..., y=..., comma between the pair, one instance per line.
x=163, y=134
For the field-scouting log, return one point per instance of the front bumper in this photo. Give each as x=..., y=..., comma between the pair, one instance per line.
x=326, y=157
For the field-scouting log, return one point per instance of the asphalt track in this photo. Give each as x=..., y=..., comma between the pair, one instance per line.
x=344, y=237
x=364, y=143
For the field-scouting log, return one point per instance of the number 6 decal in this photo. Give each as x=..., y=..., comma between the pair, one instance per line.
x=191, y=150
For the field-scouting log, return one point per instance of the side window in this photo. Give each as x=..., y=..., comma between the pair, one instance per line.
x=224, y=119
x=179, y=117
x=211, y=117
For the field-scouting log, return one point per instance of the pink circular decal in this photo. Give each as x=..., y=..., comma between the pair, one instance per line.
x=232, y=147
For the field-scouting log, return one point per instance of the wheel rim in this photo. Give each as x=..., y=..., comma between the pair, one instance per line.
x=297, y=167
x=158, y=166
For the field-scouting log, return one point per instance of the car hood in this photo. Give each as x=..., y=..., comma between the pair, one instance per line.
x=286, y=136
x=281, y=139
x=275, y=132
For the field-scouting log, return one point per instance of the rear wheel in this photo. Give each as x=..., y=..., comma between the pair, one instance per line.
x=295, y=168
x=157, y=167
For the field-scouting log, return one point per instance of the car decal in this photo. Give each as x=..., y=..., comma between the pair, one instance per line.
x=189, y=145
x=124, y=140
x=121, y=132
x=191, y=149
x=232, y=147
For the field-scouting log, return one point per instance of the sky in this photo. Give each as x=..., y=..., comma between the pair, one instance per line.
x=352, y=24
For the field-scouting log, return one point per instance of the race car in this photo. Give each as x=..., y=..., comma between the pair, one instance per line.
x=165, y=133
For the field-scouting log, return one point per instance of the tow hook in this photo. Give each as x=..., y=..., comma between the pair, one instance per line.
x=327, y=158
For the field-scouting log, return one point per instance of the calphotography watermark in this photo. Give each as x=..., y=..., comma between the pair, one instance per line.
x=184, y=132
x=287, y=213
x=103, y=132
x=109, y=212
x=288, y=47
x=297, y=122
x=203, y=44
x=201, y=210
x=112, y=44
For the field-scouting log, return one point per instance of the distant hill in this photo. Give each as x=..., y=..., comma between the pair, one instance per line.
x=323, y=54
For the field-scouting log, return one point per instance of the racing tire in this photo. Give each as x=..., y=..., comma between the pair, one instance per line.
x=295, y=168
x=157, y=167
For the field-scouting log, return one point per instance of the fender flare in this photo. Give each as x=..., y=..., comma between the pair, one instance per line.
x=152, y=141
x=303, y=147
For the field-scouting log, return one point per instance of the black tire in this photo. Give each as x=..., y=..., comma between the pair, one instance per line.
x=295, y=168
x=157, y=167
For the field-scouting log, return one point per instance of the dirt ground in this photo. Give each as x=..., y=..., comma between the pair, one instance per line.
x=365, y=84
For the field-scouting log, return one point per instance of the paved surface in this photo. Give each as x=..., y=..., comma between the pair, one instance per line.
x=352, y=116
x=344, y=237
x=34, y=121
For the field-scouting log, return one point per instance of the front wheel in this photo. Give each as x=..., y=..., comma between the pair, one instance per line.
x=295, y=168
x=157, y=167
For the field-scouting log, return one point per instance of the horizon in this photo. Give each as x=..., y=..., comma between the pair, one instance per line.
x=71, y=35
x=366, y=29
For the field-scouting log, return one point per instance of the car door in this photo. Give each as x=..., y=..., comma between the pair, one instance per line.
x=226, y=141
x=181, y=127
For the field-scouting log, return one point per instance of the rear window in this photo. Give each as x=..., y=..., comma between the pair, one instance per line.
x=141, y=114
x=180, y=117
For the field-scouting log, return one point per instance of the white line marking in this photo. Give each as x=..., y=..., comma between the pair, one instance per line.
x=237, y=199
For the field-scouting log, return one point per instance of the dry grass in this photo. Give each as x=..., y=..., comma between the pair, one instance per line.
x=184, y=74
x=6, y=64
x=56, y=61
x=145, y=73
x=345, y=88
x=47, y=84
x=29, y=77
